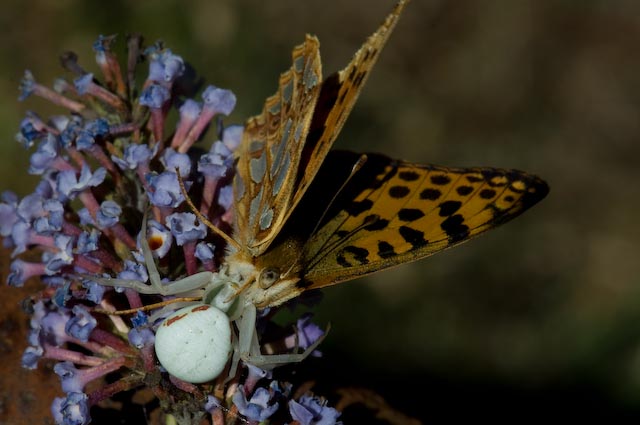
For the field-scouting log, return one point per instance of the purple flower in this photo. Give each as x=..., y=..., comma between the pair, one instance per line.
x=134, y=155
x=220, y=100
x=103, y=43
x=20, y=271
x=204, y=251
x=64, y=256
x=97, y=128
x=258, y=407
x=8, y=213
x=141, y=337
x=172, y=160
x=189, y=111
x=31, y=207
x=72, y=410
x=27, y=84
x=225, y=197
x=95, y=291
x=68, y=373
x=52, y=219
x=42, y=158
x=232, y=136
x=310, y=410
x=165, y=190
x=85, y=217
x=184, y=229
x=134, y=271
x=30, y=131
x=30, y=357
x=164, y=66
x=140, y=319
x=173, y=66
x=83, y=84
x=62, y=293
x=70, y=131
x=87, y=242
x=306, y=334
x=108, y=215
x=21, y=236
x=211, y=404
x=154, y=96
x=69, y=184
x=52, y=326
x=217, y=162
x=81, y=323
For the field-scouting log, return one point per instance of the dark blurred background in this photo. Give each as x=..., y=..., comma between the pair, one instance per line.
x=539, y=317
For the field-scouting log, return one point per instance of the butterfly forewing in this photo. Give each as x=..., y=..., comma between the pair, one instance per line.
x=338, y=95
x=392, y=212
x=269, y=155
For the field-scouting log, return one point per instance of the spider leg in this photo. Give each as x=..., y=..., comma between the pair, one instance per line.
x=249, y=346
x=186, y=284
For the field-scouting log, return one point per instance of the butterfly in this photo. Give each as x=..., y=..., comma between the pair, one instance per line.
x=308, y=217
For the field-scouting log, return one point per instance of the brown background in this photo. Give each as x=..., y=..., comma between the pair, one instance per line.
x=539, y=316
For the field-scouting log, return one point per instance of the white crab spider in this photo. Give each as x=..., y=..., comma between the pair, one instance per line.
x=194, y=343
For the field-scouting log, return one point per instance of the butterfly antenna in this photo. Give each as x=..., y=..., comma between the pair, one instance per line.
x=215, y=229
x=354, y=170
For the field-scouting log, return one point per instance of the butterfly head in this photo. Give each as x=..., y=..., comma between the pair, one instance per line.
x=264, y=284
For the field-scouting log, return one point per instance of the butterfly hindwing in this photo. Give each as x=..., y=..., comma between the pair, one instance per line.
x=392, y=212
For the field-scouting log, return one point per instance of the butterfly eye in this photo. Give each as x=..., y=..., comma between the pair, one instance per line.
x=268, y=277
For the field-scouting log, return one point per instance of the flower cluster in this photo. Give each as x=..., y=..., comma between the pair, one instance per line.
x=111, y=159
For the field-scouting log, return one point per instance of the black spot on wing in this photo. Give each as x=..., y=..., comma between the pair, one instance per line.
x=487, y=193
x=455, y=228
x=412, y=236
x=359, y=254
x=410, y=214
x=440, y=179
x=399, y=192
x=430, y=194
x=464, y=190
x=385, y=250
x=448, y=208
x=408, y=176
x=359, y=79
x=358, y=207
x=377, y=223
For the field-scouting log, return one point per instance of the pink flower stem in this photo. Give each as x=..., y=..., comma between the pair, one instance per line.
x=84, y=263
x=58, y=99
x=133, y=297
x=110, y=390
x=57, y=353
x=189, y=250
x=109, y=339
x=208, y=192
